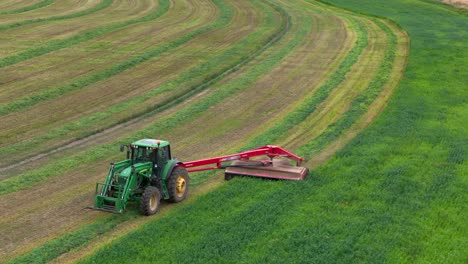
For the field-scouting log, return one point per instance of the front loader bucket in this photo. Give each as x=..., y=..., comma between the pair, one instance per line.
x=277, y=169
x=105, y=202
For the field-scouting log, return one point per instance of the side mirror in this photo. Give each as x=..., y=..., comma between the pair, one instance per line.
x=121, y=148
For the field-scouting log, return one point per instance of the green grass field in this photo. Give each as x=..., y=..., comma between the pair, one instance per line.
x=371, y=92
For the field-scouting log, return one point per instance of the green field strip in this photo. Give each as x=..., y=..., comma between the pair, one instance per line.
x=28, y=179
x=85, y=81
x=212, y=67
x=360, y=105
x=37, y=5
x=233, y=204
x=104, y=4
x=55, y=45
x=420, y=188
x=311, y=102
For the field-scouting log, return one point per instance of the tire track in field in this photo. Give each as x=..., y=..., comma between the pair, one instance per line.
x=68, y=206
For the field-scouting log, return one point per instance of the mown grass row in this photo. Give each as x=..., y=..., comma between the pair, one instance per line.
x=312, y=101
x=99, y=7
x=362, y=102
x=79, y=83
x=55, y=45
x=97, y=153
x=37, y=5
x=213, y=70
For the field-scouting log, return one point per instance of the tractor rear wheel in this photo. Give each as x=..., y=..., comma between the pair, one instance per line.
x=150, y=200
x=177, y=185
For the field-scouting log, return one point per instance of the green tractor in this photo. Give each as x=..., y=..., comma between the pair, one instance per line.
x=147, y=175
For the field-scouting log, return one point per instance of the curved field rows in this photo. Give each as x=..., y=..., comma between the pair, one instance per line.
x=212, y=77
x=49, y=25
x=142, y=78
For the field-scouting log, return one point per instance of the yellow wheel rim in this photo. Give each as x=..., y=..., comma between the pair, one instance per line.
x=181, y=185
x=153, y=202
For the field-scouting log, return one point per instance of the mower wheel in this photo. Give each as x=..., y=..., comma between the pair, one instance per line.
x=150, y=200
x=177, y=184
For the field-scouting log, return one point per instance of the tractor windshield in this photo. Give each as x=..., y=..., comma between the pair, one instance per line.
x=143, y=154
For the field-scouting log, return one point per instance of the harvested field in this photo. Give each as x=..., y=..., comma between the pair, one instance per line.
x=213, y=77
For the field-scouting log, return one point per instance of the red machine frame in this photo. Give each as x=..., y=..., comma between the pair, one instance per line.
x=269, y=150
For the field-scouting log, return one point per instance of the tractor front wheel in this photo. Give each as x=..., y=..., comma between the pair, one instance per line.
x=150, y=200
x=177, y=185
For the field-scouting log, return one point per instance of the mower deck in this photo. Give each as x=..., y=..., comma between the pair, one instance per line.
x=277, y=169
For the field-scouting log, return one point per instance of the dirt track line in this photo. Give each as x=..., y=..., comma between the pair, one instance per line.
x=145, y=115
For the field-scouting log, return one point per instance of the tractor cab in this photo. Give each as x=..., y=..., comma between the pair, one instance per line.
x=148, y=150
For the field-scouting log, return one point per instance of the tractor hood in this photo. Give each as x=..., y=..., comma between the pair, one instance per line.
x=139, y=167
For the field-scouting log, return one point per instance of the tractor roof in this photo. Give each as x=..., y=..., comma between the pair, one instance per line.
x=152, y=143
